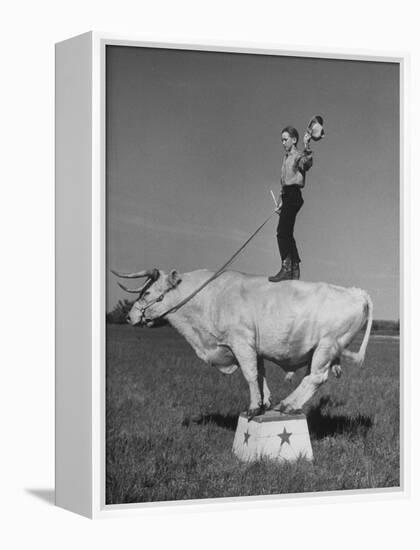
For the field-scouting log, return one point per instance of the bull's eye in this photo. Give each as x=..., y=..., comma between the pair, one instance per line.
x=146, y=293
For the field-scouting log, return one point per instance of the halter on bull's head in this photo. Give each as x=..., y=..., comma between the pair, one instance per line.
x=151, y=304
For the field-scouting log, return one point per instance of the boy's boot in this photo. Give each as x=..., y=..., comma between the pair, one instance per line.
x=295, y=270
x=285, y=274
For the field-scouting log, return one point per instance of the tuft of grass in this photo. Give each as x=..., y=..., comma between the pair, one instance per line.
x=170, y=423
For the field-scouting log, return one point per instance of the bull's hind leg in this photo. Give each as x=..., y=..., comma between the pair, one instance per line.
x=323, y=356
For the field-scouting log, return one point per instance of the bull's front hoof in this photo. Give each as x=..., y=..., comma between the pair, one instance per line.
x=251, y=413
x=286, y=409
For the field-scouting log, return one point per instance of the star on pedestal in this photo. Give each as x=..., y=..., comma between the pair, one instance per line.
x=246, y=437
x=285, y=437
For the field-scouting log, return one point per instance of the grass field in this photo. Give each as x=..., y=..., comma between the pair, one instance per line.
x=170, y=423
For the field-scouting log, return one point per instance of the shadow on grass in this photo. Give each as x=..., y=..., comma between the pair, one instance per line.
x=325, y=424
x=321, y=422
x=227, y=421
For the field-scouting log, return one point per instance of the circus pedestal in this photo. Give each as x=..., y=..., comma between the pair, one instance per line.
x=273, y=435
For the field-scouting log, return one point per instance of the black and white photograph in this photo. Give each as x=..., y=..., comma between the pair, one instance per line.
x=252, y=274
x=209, y=226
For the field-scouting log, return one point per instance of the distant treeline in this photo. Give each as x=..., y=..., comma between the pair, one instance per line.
x=379, y=325
x=118, y=316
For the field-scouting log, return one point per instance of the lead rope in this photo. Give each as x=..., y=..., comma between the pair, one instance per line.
x=218, y=272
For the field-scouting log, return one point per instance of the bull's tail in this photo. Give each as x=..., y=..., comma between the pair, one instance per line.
x=359, y=357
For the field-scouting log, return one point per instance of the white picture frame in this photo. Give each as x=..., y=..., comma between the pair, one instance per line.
x=80, y=273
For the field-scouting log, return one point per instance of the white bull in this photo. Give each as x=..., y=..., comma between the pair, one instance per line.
x=239, y=320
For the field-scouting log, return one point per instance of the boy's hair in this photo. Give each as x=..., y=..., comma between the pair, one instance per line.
x=293, y=133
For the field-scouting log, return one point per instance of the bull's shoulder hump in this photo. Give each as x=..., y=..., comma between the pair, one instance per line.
x=198, y=275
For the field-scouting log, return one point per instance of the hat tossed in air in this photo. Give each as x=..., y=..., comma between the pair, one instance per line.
x=316, y=128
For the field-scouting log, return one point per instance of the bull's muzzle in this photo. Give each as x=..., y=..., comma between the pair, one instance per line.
x=143, y=321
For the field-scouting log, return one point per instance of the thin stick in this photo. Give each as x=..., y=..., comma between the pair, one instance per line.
x=274, y=198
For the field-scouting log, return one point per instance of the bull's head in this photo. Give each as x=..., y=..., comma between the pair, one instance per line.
x=152, y=300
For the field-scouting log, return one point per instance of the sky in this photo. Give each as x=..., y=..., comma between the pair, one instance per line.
x=193, y=148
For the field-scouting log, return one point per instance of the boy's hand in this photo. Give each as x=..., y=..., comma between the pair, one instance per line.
x=306, y=139
x=279, y=205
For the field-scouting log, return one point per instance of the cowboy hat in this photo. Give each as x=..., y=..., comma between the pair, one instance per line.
x=316, y=128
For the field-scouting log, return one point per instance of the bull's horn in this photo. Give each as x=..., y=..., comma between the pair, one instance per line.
x=144, y=273
x=131, y=290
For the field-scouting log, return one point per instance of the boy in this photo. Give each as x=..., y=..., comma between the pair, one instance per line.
x=293, y=172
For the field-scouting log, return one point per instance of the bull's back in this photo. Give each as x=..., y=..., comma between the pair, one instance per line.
x=285, y=313
x=292, y=315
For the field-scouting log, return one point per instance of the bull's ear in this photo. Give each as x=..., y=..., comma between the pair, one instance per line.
x=174, y=277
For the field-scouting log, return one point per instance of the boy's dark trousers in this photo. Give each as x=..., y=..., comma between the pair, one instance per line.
x=292, y=203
